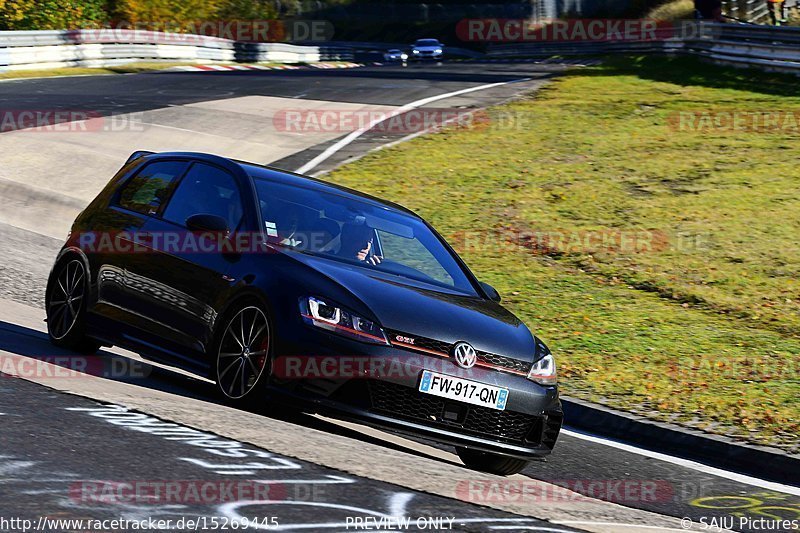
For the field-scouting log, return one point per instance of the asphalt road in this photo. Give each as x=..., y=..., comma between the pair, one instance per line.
x=588, y=469
x=140, y=92
x=62, y=446
x=67, y=458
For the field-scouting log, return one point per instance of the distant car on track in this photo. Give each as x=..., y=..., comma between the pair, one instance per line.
x=430, y=49
x=282, y=288
x=395, y=55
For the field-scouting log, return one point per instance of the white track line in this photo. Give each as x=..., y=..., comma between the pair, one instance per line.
x=311, y=165
x=733, y=476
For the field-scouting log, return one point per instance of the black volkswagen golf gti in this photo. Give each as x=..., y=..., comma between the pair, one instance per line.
x=283, y=288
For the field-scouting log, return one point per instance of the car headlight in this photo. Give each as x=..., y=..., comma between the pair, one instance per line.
x=404, y=56
x=437, y=51
x=544, y=371
x=331, y=317
x=414, y=51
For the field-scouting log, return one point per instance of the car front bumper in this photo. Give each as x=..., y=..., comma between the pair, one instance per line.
x=378, y=386
x=426, y=55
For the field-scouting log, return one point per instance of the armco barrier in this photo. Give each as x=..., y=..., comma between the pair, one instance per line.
x=765, y=47
x=24, y=50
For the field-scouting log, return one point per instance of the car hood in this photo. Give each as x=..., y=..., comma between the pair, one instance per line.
x=428, y=48
x=418, y=309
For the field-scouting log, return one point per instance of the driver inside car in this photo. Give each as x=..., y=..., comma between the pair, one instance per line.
x=357, y=242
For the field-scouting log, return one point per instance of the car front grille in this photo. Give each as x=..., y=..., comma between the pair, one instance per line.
x=436, y=346
x=505, y=363
x=409, y=404
x=500, y=362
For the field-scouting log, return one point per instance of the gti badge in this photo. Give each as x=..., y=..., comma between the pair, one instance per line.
x=465, y=355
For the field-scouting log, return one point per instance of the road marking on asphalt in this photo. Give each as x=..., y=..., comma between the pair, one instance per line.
x=733, y=476
x=326, y=480
x=389, y=521
x=331, y=150
x=9, y=466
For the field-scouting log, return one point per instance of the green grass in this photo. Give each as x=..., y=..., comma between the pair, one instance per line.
x=695, y=317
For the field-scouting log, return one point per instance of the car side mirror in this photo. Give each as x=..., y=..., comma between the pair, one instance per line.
x=205, y=223
x=491, y=292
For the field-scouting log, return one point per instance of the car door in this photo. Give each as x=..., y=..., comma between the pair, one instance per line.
x=115, y=235
x=189, y=270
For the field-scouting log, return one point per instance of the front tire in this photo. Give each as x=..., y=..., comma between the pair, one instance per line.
x=241, y=354
x=65, y=305
x=491, y=463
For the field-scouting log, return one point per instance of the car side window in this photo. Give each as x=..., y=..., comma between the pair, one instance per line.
x=147, y=191
x=206, y=190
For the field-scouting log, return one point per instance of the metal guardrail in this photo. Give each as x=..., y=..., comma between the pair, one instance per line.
x=22, y=50
x=765, y=47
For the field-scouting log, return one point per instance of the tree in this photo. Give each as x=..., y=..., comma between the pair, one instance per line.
x=158, y=14
x=51, y=14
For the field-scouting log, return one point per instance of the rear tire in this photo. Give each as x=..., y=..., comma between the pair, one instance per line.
x=491, y=463
x=65, y=305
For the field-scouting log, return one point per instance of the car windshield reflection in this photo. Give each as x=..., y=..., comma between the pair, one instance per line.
x=360, y=232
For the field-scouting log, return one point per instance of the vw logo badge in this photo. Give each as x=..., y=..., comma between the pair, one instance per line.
x=465, y=355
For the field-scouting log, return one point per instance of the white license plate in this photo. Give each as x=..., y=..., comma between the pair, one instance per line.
x=463, y=390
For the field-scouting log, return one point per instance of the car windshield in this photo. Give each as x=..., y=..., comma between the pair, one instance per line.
x=357, y=232
x=427, y=42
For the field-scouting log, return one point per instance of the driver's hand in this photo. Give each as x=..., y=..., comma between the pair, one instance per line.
x=374, y=260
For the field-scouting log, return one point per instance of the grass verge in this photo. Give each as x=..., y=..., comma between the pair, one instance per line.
x=658, y=258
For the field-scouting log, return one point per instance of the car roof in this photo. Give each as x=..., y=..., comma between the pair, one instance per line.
x=285, y=177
